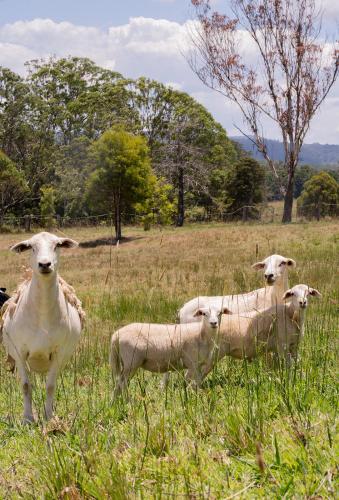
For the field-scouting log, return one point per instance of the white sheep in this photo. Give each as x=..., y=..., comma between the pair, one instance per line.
x=161, y=348
x=43, y=319
x=275, y=269
x=277, y=329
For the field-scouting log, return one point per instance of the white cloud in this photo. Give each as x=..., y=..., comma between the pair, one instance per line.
x=174, y=85
x=143, y=46
x=330, y=9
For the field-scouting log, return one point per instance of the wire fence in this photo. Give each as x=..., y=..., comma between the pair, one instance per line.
x=264, y=214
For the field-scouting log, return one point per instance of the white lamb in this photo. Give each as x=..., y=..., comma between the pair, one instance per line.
x=161, y=348
x=275, y=270
x=43, y=319
x=277, y=329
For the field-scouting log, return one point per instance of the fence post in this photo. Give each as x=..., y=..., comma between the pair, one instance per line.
x=318, y=211
x=27, y=223
x=244, y=214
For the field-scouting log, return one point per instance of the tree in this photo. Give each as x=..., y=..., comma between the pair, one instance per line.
x=71, y=172
x=123, y=174
x=14, y=99
x=157, y=208
x=294, y=77
x=320, y=196
x=73, y=91
x=303, y=174
x=244, y=187
x=13, y=186
x=47, y=206
x=192, y=145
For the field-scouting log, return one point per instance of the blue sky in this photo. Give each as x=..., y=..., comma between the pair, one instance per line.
x=102, y=13
x=136, y=38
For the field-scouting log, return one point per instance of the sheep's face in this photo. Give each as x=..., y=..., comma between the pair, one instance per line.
x=44, y=251
x=211, y=316
x=299, y=295
x=274, y=267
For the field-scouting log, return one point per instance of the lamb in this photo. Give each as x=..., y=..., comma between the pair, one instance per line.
x=161, y=348
x=277, y=329
x=43, y=320
x=275, y=269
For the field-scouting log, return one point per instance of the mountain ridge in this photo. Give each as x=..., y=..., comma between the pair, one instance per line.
x=312, y=154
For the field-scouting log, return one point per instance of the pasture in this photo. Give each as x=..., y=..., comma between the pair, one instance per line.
x=252, y=431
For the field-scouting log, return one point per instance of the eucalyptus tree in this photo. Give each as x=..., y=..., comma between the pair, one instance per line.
x=290, y=73
x=13, y=186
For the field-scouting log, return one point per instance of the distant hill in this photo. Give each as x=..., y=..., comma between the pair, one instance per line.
x=313, y=154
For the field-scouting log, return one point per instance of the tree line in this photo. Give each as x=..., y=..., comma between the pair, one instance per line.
x=77, y=139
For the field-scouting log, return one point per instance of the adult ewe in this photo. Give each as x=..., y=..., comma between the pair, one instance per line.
x=161, y=348
x=275, y=269
x=43, y=319
x=277, y=329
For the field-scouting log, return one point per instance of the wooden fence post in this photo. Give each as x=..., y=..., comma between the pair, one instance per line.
x=27, y=223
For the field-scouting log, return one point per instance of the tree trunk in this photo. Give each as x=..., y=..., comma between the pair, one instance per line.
x=181, y=202
x=117, y=221
x=288, y=200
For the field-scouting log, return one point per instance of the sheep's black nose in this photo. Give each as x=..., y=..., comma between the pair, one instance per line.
x=269, y=276
x=45, y=265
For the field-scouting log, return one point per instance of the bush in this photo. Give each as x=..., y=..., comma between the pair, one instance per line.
x=320, y=197
x=244, y=187
x=196, y=214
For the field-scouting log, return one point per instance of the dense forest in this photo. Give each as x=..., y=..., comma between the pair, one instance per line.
x=78, y=140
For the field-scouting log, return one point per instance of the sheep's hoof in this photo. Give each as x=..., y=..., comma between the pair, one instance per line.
x=28, y=420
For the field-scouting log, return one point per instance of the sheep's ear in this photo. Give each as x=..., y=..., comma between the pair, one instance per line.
x=288, y=294
x=314, y=292
x=258, y=265
x=67, y=243
x=198, y=312
x=225, y=310
x=291, y=263
x=21, y=247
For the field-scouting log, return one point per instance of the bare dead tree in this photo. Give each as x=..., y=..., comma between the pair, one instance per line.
x=288, y=80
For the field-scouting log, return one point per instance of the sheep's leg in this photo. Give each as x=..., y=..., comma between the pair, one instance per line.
x=164, y=381
x=194, y=377
x=27, y=391
x=121, y=384
x=50, y=391
x=205, y=369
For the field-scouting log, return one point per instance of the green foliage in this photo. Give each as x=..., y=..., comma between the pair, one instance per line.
x=302, y=174
x=320, y=196
x=123, y=174
x=71, y=173
x=48, y=119
x=13, y=186
x=47, y=206
x=244, y=186
x=157, y=208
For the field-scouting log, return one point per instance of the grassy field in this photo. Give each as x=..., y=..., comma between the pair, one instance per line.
x=250, y=432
